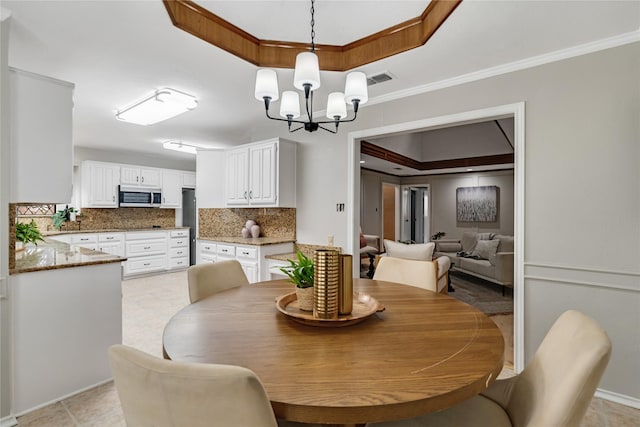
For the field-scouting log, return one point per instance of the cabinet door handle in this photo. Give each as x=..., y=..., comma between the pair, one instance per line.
x=245, y=253
x=147, y=264
x=245, y=194
x=109, y=238
x=114, y=198
x=147, y=247
x=251, y=194
x=137, y=179
x=143, y=179
x=179, y=253
x=225, y=250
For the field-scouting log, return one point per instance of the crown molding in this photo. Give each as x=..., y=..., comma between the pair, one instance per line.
x=534, y=61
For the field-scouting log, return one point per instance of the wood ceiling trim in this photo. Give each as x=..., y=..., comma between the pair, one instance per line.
x=198, y=21
x=399, y=159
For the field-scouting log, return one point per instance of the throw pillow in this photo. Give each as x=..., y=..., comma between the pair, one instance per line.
x=506, y=243
x=468, y=240
x=448, y=247
x=363, y=241
x=486, y=249
x=418, y=251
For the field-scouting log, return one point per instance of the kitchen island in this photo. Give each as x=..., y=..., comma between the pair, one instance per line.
x=66, y=311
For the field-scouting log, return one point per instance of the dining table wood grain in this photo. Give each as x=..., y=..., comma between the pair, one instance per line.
x=423, y=353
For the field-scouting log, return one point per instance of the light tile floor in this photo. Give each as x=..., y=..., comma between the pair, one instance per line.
x=148, y=303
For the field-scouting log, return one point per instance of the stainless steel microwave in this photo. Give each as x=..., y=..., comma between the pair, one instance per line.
x=137, y=197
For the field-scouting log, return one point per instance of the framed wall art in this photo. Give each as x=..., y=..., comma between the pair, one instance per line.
x=477, y=204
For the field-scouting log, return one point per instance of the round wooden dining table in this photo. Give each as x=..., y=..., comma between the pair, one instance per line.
x=424, y=352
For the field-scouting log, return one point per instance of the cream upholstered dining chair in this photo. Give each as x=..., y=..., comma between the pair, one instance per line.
x=207, y=279
x=163, y=393
x=554, y=390
x=422, y=274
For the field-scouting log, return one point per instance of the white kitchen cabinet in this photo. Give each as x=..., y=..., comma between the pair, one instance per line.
x=207, y=252
x=85, y=240
x=99, y=184
x=188, y=180
x=171, y=189
x=261, y=174
x=111, y=243
x=178, y=249
x=251, y=257
x=146, y=252
x=237, y=176
x=140, y=176
x=40, y=135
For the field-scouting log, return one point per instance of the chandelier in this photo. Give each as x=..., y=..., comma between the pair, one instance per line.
x=306, y=77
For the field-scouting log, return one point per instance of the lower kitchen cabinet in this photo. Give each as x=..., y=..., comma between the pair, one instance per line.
x=178, y=249
x=146, y=252
x=251, y=257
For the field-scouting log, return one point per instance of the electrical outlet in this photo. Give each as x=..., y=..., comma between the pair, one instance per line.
x=340, y=207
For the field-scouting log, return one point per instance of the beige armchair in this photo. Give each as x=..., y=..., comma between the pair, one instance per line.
x=162, y=393
x=555, y=388
x=207, y=279
x=430, y=275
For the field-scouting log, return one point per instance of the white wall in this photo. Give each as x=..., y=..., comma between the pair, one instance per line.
x=582, y=197
x=186, y=162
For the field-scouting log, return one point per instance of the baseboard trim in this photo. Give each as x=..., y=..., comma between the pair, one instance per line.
x=618, y=398
x=9, y=421
x=61, y=398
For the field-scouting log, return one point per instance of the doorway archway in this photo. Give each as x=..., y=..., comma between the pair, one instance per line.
x=517, y=111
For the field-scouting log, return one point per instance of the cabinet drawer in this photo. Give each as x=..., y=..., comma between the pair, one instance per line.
x=178, y=252
x=246, y=253
x=207, y=257
x=226, y=250
x=179, y=233
x=178, y=263
x=77, y=239
x=143, y=235
x=145, y=265
x=110, y=237
x=178, y=242
x=142, y=248
x=208, y=248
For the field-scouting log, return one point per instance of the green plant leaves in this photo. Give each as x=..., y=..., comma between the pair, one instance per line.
x=28, y=233
x=300, y=272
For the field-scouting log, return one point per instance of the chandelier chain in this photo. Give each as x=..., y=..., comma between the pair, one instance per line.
x=313, y=23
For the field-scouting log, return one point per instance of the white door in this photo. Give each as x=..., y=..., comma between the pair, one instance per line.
x=237, y=162
x=171, y=189
x=103, y=190
x=129, y=175
x=263, y=174
x=150, y=177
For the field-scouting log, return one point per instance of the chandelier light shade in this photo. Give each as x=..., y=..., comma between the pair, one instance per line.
x=161, y=105
x=306, y=77
x=307, y=71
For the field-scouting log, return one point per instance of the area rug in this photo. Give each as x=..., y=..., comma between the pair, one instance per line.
x=485, y=296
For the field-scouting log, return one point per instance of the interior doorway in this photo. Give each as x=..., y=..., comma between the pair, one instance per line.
x=390, y=211
x=415, y=214
x=517, y=111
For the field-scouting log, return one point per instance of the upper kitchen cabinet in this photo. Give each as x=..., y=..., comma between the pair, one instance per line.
x=171, y=189
x=138, y=176
x=262, y=174
x=188, y=180
x=41, y=138
x=99, y=184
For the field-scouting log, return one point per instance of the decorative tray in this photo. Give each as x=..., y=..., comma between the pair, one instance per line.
x=363, y=306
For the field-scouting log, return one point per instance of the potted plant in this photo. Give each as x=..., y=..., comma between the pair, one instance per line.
x=27, y=233
x=300, y=273
x=438, y=235
x=62, y=216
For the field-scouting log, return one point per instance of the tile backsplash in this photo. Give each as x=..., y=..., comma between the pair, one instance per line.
x=220, y=222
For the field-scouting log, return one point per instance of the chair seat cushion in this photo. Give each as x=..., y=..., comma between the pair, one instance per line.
x=477, y=412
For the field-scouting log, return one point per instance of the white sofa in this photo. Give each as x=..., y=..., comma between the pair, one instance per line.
x=489, y=256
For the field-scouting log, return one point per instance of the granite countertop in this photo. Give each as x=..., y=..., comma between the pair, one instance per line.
x=109, y=230
x=283, y=257
x=51, y=254
x=259, y=241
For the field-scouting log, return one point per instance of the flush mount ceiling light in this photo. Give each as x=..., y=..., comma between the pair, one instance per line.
x=306, y=77
x=179, y=146
x=161, y=105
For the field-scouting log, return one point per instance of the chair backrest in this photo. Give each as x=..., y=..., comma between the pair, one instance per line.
x=422, y=274
x=163, y=393
x=207, y=279
x=557, y=385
